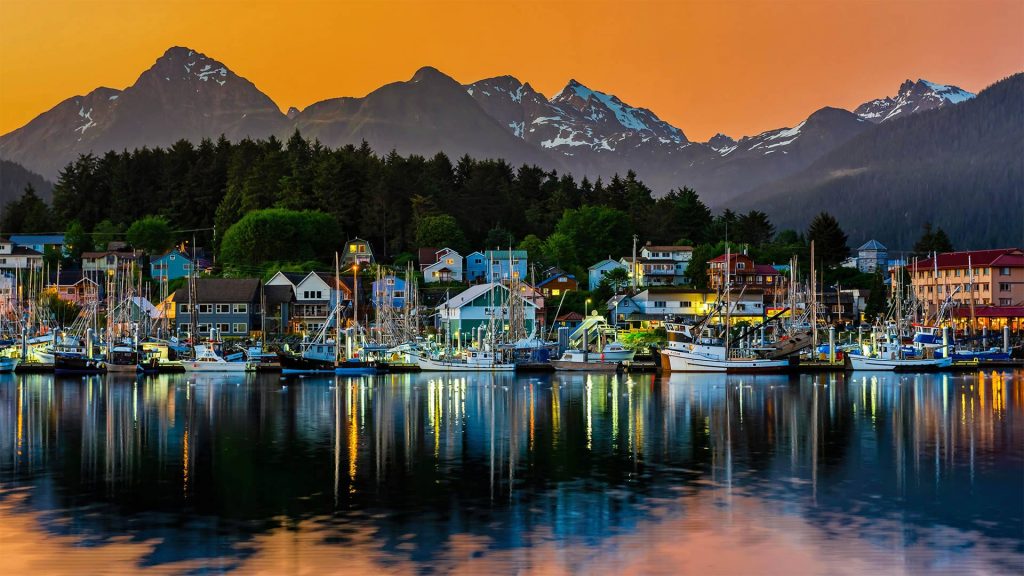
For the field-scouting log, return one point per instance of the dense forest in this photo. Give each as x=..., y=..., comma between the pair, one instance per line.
x=297, y=201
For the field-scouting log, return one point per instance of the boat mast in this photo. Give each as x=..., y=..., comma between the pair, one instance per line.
x=814, y=303
x=970, y=295
x=728, y=298
x=337, y=309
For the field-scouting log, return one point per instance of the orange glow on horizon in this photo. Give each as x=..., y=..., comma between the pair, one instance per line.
x=739, y=67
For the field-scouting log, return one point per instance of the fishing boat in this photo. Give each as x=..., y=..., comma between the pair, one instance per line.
x=472, y=361
x=313, y=358
x=7, y=364
x=578, y=360
x=712, y=355
x=124, y=359
x=206, y=360
x=891, y=356
x=75, y=363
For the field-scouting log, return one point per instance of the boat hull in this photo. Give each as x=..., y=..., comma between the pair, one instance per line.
x=431, y=365
x=124, y=368
x=229, y=367
x=681, y=361
x=8, y=364
x=858, y=362
x=574, y=366
x=295, y=364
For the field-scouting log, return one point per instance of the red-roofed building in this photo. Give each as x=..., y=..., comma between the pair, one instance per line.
x=993, y=279
x=744, y=272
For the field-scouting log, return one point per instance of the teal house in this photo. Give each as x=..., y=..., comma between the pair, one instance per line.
x=170, y=266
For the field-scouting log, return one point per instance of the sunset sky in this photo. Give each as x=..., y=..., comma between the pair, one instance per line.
x=739, y=67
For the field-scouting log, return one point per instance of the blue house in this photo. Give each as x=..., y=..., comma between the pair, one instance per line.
x=170, y=266
x=597, y=271
x=389, y=291
x=476, y=268
x=39, y=242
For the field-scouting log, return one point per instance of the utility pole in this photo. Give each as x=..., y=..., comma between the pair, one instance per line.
x=633, y=262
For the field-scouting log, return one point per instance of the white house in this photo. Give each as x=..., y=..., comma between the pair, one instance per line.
x=467, y=316
x=14, y=257
x=669, y=303
x=664, y=265
x=447, y=267
x=315, y=296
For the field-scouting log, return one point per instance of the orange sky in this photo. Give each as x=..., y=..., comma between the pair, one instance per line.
x=739, y=67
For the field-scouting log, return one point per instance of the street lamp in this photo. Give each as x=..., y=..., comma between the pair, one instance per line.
x=585, y=304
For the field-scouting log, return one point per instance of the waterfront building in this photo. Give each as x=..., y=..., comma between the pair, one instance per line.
x=652, y=307
x=226, y=307
x=170, y=266
x=596, y=272
x=315, y=294
x=743, y=271
x=991, y=280
x=467, y=316
x=872, y=256
x=446, y=266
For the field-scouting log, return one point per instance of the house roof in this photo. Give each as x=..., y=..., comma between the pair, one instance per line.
x=766, y=270
x=499, y=254
x=24, y=251
x=669, y=248
x=125, y=254
x=604, y=262
x=554, y=277
x=146, y=306
x=570, y=317
x=1008, y=257
x=278, y=293
x=37, y=238
x=173, y=251
x=872, y=245
x=474, y=292
x=732, y=256
x=989, y=311
x=224, y=290
x=426, y=256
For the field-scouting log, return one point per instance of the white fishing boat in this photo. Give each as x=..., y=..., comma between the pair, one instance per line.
x=892, y=357
x=580, y=361
x=616, y=352
x=473, y=361
x=206, y=360
x=712, y=357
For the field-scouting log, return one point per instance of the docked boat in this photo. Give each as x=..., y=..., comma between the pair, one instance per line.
x=356, y=367
x=890, y=357
x=578, y=360
x=206, y=360
x=312, y=359
x=474, y=361
x=687, y=352
x=7, y=364
x=124, y=359
x=616, y=352
x=74, y=363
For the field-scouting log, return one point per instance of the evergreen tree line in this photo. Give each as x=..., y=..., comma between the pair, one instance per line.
x=398, y=203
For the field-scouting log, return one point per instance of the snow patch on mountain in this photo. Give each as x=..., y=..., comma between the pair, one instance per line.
x=912, y=97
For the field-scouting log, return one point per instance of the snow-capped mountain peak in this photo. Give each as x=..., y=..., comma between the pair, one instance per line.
x=912, y=97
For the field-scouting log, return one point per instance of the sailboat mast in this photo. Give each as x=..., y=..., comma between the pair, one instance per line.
x=814, y=303
x=337, y=308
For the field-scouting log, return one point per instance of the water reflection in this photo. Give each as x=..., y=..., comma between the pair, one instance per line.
x=482, y=473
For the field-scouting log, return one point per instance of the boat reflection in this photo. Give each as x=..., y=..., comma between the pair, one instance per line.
x=493, y=472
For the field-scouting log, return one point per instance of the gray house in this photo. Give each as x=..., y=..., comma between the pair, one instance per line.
x=229, y=306
x=872, y=256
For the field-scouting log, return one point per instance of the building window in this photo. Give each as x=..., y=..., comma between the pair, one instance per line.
x=1004, y=287
x=659, y=304
x=223, y=308
x=205, y=308
x=399, y=294
x=450, y=261
x=741, y=265
x=686, y=304
x=204, y=328
x=224, y=328
x=241, y=328
x=556, y=292
x=183, y=308
x=1004, y=271
x=1004, y=301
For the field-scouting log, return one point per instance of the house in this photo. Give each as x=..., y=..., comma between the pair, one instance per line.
x=596, y=272
x=357, y=251
x=225, y=307
x=447, y=267
x=15, y=257
x=425, y=256
x=278, y=299
x=985, y=278
x=568, y=320
x=872, y=256
x=660, y=304
x=316, y=294
x=743, y=271
x=664, y=265
x=557, y=283
x=97, y=265
x=466, y=317
x=496, y=265
x=388, y=291
x=170, y=266
x=75, y=287
x=40, y=242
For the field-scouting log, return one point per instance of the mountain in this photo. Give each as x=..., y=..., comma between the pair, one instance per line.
x=912, y=97
x=429, y=113
x=13, y=179
x=958, y=167
x=185, y=94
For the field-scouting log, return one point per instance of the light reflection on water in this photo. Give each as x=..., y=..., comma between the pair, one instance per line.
x=483, y=473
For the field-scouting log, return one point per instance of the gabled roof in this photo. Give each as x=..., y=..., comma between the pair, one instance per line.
x=570, y=317
x=732, y=256
x=278, y=293
x=554, y=277
x=1003, y=257
x=765, y=270
x=872, y=245
x=222, y=290
x=603, y=262
x=474, y=292
x=173, y=251
x=426, y=256
x=500, y=254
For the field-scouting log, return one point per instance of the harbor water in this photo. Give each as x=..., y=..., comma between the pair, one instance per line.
x=863, y=473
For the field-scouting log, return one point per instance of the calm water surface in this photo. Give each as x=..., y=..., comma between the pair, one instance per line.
x=482, y=474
